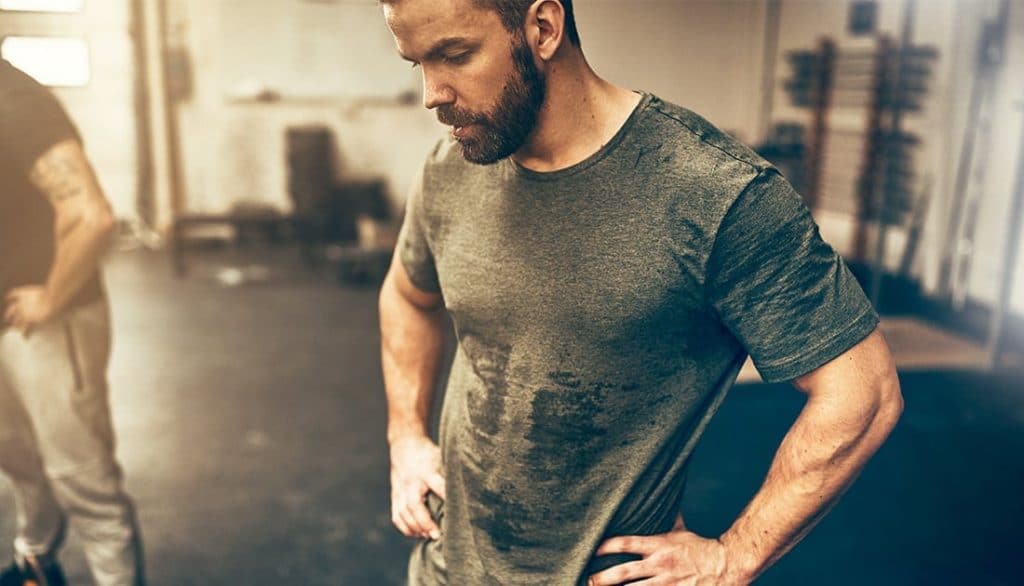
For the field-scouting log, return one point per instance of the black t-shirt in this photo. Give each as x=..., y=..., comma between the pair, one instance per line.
x=31, y=121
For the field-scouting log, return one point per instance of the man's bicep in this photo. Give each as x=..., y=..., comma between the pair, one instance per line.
x=398, y=279
x=866, y=367
x=63, y=174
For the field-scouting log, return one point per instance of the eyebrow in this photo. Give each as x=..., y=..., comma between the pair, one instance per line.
x=442, y=46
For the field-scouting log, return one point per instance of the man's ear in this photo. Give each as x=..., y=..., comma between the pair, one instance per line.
x=545, y=27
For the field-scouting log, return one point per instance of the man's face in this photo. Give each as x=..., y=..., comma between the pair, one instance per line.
x=482, y=79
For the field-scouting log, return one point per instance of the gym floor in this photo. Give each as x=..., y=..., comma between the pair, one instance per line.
x=251, y=427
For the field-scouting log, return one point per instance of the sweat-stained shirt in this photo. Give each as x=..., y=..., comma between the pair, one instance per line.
x=602, y=313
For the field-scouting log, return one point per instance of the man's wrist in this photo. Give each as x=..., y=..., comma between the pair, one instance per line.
x=406, y=431
x=50, y=301
x=742, y=562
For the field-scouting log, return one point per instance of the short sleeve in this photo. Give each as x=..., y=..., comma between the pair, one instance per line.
x=413, y=246
x=31, y=118
x=779, y=288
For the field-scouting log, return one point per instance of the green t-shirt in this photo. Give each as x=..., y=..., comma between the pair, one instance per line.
x=602, y=313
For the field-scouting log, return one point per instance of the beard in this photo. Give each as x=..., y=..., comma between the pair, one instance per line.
x=504, y=129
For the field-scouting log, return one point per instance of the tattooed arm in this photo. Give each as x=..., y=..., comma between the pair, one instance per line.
x=83, y=224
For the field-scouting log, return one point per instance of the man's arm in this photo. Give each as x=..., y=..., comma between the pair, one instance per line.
x=83, y=223
x=853, y=403
x=412, y=344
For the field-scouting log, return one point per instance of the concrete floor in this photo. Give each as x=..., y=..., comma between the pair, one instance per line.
x=251, y=424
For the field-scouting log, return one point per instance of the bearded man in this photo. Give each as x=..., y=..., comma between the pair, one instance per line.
x=609, y=260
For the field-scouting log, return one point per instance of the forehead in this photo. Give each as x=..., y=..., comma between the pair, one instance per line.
x=418, y=25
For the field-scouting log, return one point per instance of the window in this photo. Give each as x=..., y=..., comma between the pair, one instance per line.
x=53, y=61
x=42, y=5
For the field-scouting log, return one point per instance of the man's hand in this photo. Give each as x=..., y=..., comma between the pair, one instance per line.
x=415, y=471
x=676, y=558
x=28, y=307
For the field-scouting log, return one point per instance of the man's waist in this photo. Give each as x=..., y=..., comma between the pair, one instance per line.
x=90, y=292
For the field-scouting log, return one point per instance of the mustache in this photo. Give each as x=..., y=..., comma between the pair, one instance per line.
x=452, y=116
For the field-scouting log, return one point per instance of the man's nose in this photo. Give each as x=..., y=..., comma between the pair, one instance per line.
x=436, y=92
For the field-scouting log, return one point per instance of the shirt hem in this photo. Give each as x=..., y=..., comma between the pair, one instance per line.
x=841, y=342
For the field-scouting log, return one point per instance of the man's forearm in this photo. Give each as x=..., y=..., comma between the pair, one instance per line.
x=412, y=345
x=83, y=221
x=80, y=243
x=818, y=460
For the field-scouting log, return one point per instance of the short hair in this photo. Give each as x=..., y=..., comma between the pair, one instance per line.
x=513, y=15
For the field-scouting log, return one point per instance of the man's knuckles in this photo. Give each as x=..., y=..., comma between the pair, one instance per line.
x=618, y=575
x=626, y=544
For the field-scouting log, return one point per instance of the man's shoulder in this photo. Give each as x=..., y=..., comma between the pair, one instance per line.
x=15, y=83
x=31, y=117
x=686, y=129
x=698, y=165
x=9, y=73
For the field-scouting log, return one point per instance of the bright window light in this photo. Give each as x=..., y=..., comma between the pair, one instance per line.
x=53, y=61
x=42, y=5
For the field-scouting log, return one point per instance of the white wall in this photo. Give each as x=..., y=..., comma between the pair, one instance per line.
x=1011, y=125
x=234, y=149
x=1002, y=158
x=703, y=54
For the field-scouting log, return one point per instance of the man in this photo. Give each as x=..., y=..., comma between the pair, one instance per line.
x=56, y=439
x=608, y=260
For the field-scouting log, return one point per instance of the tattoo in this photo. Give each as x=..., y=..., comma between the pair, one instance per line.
x=62, y=173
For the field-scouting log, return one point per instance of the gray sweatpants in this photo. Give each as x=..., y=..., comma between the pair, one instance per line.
x=57, y=444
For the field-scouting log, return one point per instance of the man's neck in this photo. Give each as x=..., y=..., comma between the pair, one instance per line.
x=581, y=113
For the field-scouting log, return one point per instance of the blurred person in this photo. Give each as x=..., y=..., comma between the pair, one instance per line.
x=56, y=438
x=608, y=260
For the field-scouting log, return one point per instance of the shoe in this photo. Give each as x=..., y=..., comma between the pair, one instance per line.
x=33, y=574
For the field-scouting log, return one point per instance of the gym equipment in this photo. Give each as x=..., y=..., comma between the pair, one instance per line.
x=917, y=220
x=858, y=93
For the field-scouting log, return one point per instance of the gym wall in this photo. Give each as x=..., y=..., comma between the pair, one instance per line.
x=705, y=54
x=233, y=145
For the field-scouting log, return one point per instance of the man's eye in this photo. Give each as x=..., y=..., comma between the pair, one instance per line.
x=456, y=59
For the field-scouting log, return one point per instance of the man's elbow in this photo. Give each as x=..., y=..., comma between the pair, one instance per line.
x=106, y=225
x=878, y=369
x=100, y=221
x=890, y=403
